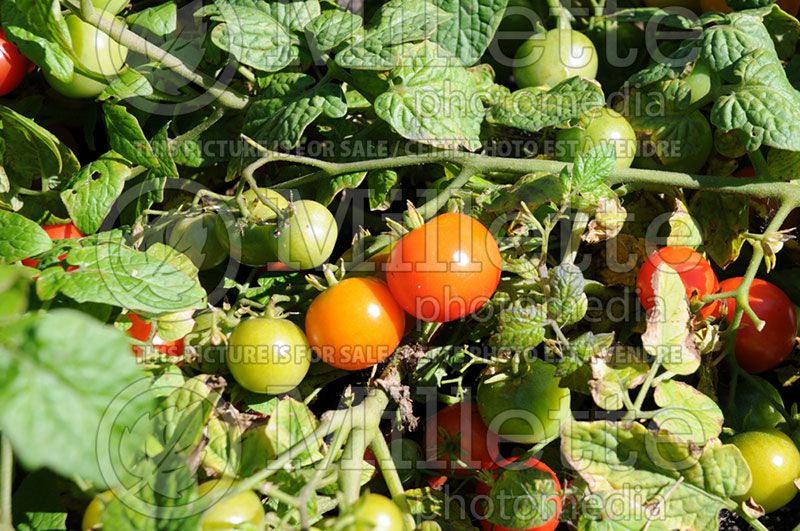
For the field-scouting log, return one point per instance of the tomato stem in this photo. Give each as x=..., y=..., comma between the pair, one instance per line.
x=383, y=457
x=6, y=480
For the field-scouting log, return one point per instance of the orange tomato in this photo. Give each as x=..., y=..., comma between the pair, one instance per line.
x=695, y=272
x=141, y=330
x=60, y=231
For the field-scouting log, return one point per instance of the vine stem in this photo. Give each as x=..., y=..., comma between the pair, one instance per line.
x=389, y=472
x=119, y=32
x=350, y=465
x=6, y=480
x=578, y=228
x=429, y=209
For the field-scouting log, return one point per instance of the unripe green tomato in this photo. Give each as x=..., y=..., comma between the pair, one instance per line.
x=259, y=243
x=110, y=6
x=229, y=512
x=527, y=407
x=700, y=80
x=267, y=355
x=306, y=238
x=774, y=464
x=258, y=210
x=93, y=515
x=97, y=52
x=597, y=127
x=200, y=238
x=690, y=155
x=751, y=409
x=374, y=512
x=731, y=144
x=550, y=58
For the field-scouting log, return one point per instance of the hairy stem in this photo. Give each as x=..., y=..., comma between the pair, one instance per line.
x=6, y=480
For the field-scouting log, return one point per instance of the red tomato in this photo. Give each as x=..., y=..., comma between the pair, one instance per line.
x=694, y=270
x=13, y=66
x=760, y=351
x=355, y=324
x=459, y=434
x=141, y=330
x=444, y=270
x=550, y=525
x=61, y=231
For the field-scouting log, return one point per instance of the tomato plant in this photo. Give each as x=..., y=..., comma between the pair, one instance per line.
x=59, y=231
x=98, y=54
x=13, y=66
x=355, y=324
x=551, y=57
x=774, y=466
x=461, y=439
x=268, y=355
x=444, y=270
x=597, y=127
x=758, y=351
x=695, y=273
x=306, y=238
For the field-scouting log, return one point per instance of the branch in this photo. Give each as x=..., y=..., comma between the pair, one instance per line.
x=6, y=480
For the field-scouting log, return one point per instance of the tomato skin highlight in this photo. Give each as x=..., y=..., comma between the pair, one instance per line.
x=355, y=324
x=444, y=270
x=466, y=439
x=267, y=355
x=59, y=231
x=550, y=525
x=374, y=512
x=694, y=270
x=774, y=463
x=13, y=65
x=761, y=351
x=141, y=329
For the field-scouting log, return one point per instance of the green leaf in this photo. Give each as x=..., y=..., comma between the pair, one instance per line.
x=669, y=336
x=520, y=326
x=37, y=504
x=127, y=83
x=686, y=412
x=591, y=170
x=684, y=486
x=31, y=152
x=422, y=107
x=428, y=504
x=581, y=349
x=468, y=33
x=332, y=187
x=38, y=31
x=20, y=238
x=251, y=34
x=126, y=137
x=567, y=303
x=533, y=189
x=111, y=273
x=222, y=453
x=684, y=229
x=293, y=14
x=93, y=190
x=14, y=292
x=783, y=165
x=534, y=108
x=381, y=183
x=614, y=372
x=333, y=27
x=724, y=44
x=287, y=105
x=526, y=498
x=159, y=20
x=48, y=362
x=724, y=221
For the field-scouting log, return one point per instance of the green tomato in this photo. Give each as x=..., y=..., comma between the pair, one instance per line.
x=687, y=153
x=597, y=127
x=619, y=51
x=258, y=242
x=307, y=236
x=374, y=512
x=700, y=80
x=774, y=465
x=549, y=58
x=229, y=512
x=258, y=210
x=268, y=355
x=97, y=53
x=110, y=6
x=751, y=409
x=731, y=144
x=527, y=407
x=93, y=515
x=200, y=238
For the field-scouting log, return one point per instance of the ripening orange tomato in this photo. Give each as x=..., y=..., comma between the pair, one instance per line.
x=60, y=231
x=355, y=324
x=141, y=330
x=446, y=269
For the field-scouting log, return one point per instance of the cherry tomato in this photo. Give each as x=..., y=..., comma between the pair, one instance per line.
x=97, y=53
x=752, y=408
x=355, y=324
x=444, y=270
x=141, y=329
x=761, y=351
x=694, y=270
x=13, y=65
x=374, y=512
x=687, y=153
x=60, y=231
x=306, y=239
x=460, y=436
x=527, y=407
x=268, y=355
x=514, y=501
x=546, y=59
x=110, y=6
x=201, y=236
x=259, y=242
x=774, y=466
x=597, y=127
x=731, y=144
x=700, y=80
x=93, y=515
x=229, y=512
